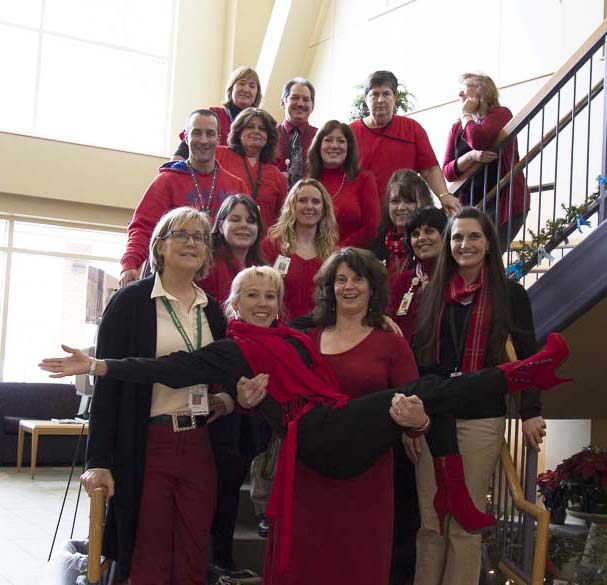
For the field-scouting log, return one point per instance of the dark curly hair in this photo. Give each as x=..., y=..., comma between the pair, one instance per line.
x=365, y=264
x=268, y=152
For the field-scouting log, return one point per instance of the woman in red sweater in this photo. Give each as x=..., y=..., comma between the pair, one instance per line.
x=301, y=240
x=333, y=160
x=481, y=120
x=250, y=155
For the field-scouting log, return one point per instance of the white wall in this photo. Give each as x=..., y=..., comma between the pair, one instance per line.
x=564, y=438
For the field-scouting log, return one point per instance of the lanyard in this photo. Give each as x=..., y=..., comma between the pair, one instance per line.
x=254, y=186
x=179, y=326
x=459, y=341
x=206, y=208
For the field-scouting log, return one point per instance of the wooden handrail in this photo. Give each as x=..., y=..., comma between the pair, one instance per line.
x=541, y=515
x=95, y=570
x=533, y=152
x=558, y=79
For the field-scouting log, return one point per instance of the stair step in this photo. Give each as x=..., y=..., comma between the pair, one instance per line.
x=246, y=509
x=249, y=549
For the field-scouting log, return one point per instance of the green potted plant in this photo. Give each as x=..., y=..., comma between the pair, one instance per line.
x=555, y=494
x=404, y=101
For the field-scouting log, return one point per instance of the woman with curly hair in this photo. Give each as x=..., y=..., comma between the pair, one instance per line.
x=302, y=239
x=333, y=160
x=250, y=156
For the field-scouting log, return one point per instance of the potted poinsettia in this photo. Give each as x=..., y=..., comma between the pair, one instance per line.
x=585, y=474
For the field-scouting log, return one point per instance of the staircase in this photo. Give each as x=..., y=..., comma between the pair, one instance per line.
x=560, y=256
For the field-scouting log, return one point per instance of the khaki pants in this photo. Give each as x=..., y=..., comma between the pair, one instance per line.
x=456, y=558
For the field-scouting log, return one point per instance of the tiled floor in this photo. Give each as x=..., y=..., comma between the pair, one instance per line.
x=29, y=509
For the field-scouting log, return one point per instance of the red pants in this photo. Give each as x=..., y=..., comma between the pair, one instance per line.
x=177, y=508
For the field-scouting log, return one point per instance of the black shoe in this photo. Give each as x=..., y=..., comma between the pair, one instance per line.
x=263, y=528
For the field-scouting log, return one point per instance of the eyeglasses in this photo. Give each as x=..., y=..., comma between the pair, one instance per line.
x=182, y=236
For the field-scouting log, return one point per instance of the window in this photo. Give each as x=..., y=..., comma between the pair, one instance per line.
x=47, y=276
x=95, y=72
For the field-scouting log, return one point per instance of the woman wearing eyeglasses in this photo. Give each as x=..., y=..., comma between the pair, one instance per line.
x=149, y=445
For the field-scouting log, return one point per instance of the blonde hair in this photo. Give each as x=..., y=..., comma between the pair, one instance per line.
x=488, y=95
x=247, y=275
x=172, y=221
x=326, y=230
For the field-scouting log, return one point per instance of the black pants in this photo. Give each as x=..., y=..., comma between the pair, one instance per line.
x=343, y=443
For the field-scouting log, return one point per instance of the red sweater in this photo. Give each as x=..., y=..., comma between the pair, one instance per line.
x=218, y=282
x=402, y=144
x=226, y=123
x=356, y=206
x=173, y=187
x=481, y=137
x=299, y=280
x=272, y=190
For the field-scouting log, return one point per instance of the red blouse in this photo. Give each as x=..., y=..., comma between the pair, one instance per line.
x=299, y=280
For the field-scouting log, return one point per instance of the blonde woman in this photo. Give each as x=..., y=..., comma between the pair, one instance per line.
x=302, y=239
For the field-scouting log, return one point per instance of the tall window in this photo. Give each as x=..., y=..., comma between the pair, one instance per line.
x=52, y=281
x=94, y=71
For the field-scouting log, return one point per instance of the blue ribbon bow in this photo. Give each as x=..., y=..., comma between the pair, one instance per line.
x=581, y=221
x=515, y=270
x=602, y=180
x=542, y=254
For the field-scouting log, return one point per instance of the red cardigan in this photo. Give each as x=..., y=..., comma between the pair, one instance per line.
x=482, y=136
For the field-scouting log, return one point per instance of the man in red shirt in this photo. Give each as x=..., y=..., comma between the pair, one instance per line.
x=295, y=133
x=387, y=142
x=199, y=182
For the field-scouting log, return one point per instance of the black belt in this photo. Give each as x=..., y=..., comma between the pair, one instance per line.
x=182, y=422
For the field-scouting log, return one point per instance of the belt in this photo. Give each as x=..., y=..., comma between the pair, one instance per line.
x=180, y=422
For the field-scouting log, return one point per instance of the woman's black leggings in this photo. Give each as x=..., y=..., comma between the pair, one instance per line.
x=343, y=443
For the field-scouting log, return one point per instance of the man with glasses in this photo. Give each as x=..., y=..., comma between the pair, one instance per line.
x=199, y=182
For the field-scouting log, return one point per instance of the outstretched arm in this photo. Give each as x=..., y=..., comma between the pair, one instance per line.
x=218, y=363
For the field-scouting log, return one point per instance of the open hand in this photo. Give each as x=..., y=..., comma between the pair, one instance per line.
x=483, y=156
x=77, y=363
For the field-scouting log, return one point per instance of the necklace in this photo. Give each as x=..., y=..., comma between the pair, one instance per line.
x=340, y=187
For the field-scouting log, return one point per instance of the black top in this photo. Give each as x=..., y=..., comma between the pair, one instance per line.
x=523, y=339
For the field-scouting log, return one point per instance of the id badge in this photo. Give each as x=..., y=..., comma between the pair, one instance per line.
x=282, y=265
x=405, y=303
x=199, y=400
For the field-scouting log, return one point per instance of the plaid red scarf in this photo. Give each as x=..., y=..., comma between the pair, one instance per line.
x=480, y=319
x=297, y=388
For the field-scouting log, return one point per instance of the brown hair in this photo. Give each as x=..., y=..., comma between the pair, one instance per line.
x=429, y=312
x=365, y=264
x=488, y=95
x=239, y=73
x=326, y=235
x=411, y=187
x=315, y=164
x=268, y=152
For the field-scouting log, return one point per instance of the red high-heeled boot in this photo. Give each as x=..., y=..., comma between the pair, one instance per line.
x=537, y=371
x=452, y=496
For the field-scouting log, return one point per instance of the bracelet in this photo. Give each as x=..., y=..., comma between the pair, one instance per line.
x=423, y=427
x=92, y=366
x=443, y=194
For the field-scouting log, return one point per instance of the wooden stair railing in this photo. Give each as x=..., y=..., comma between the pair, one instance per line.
x=539, y=513
x=96, y=568
x=556, y=82
x=535, y=150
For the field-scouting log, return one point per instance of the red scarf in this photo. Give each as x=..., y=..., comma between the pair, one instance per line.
x=297, y=388
x=480, y=319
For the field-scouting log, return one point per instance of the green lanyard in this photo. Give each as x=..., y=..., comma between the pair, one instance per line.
x=179, y=326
